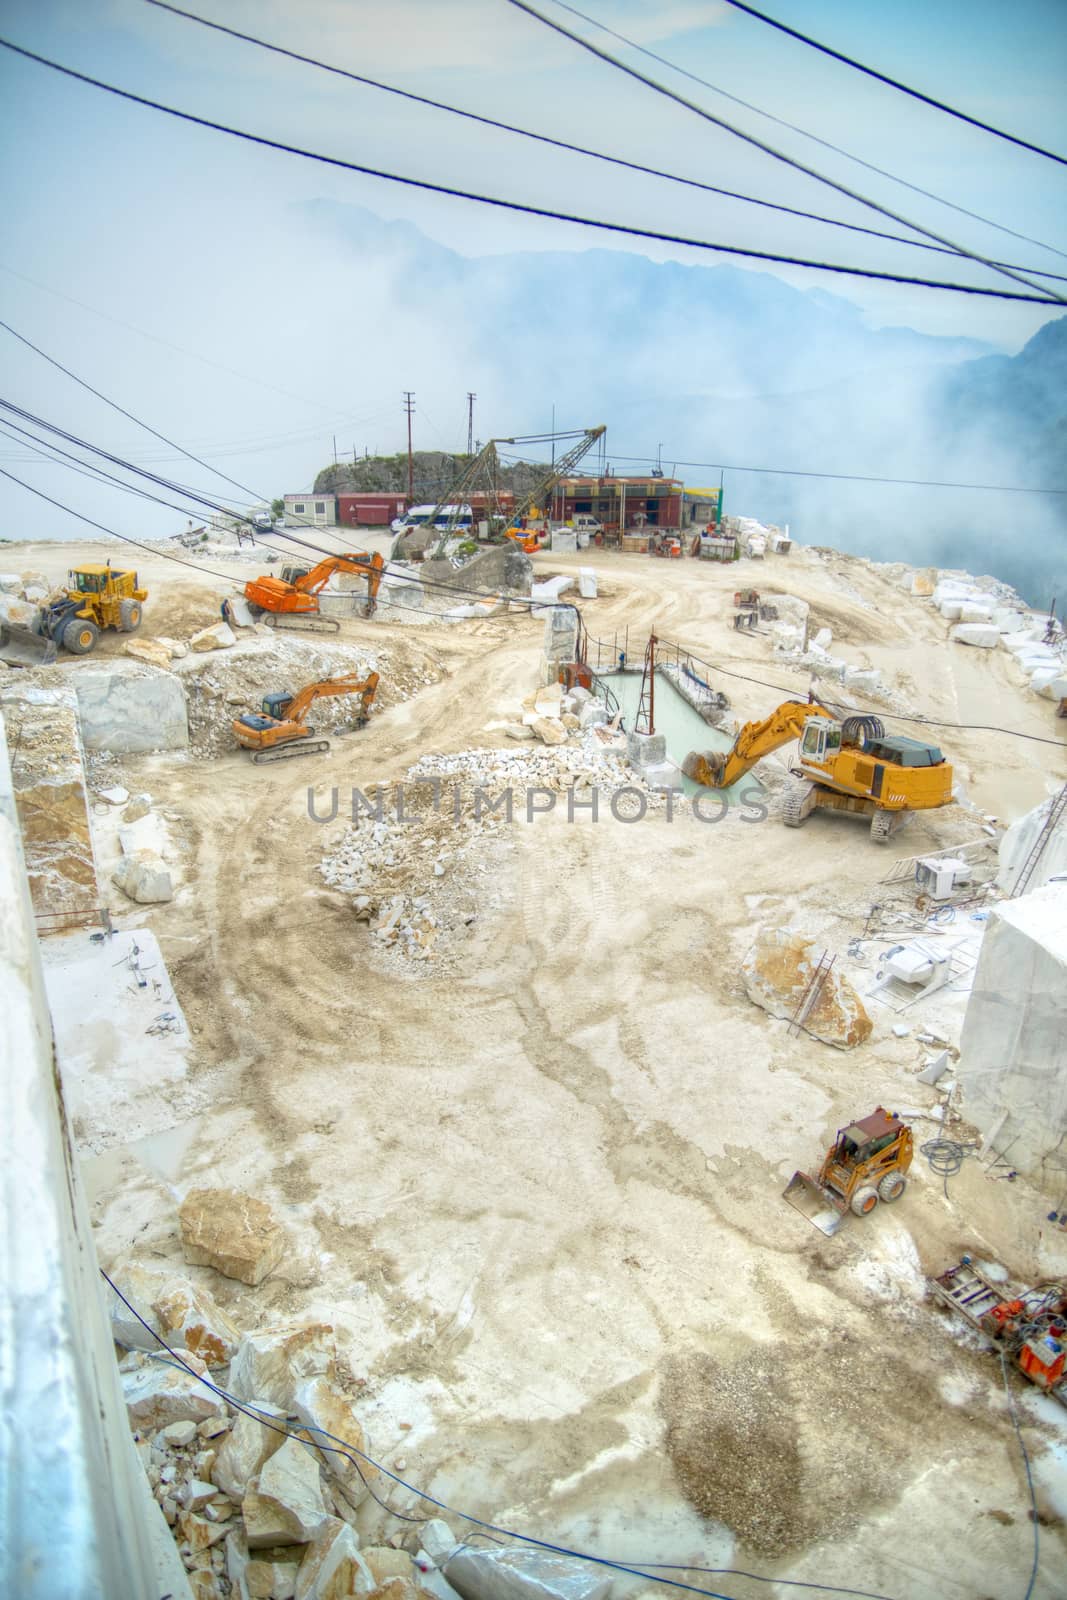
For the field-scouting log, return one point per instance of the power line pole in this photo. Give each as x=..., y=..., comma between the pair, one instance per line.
x=471, y=398
x=409, y=406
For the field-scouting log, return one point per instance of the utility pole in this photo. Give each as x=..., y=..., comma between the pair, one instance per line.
x=335, y=449
x=409, y=406
x=471, y=398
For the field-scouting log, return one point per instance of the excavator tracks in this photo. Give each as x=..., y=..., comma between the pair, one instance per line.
x=798, y=803
x=296, y=623
x=284, y=752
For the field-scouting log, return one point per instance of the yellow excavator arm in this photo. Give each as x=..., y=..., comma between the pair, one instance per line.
x=758, y=739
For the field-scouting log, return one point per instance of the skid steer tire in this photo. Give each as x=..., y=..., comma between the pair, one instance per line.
x=130, y=616
x=892, y=1187
x=80, y=636
x=864, y=1201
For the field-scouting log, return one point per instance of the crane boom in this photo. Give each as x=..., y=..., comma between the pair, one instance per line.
x=758, y=739
x=559, y=470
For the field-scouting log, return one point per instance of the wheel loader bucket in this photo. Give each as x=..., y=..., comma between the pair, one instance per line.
x=812, y=1201
x=21, y=647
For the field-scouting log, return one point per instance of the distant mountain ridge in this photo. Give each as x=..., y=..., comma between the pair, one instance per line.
x=732, y=367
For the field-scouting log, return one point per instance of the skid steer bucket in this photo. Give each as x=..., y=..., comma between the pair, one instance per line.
x=813, y=1202
x=21, y=647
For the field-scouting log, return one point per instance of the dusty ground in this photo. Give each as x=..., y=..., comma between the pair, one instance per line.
x=538, y=1194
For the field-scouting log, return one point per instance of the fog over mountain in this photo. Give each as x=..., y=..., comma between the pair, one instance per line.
x=730, y=367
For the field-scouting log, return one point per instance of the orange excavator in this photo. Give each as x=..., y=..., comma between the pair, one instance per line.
x=292, y=601
x=281, y=730
x=844, y=764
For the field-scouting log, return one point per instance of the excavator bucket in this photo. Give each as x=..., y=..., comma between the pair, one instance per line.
x=813, y=1202
x=21, y=647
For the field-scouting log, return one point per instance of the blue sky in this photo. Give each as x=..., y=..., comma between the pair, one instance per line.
x=201, y=243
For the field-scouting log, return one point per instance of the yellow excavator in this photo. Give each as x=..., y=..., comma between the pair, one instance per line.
x=280, y=729
x=844, y=764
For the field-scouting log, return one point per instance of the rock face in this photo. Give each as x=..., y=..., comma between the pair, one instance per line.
x=129, y=710
x=50, y=795
x=500, y=566
x=233, y=1232
x=776, y=973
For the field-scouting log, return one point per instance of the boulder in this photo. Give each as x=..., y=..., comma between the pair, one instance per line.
x=1053, y=688
x=176, y=648
x=198, y=1533
x=145, y=879
x=285, y=1505
x=982, y=634
x=865, y=679
x=587, y=583
x=182, y=1313
x=127, y=710
x=272, y=1363
x=238, y=613
x=518, y=730
x=776, y=974
x=17, y=611
x=220, y=636
x=115, y=796
x=153, y=652
x=547, y=702
x=549, y=730
x=525, y=1574
x=593, y=714
x=975, y=611
x=10, y=583
x=333, y=1568
x=323, y=1409
x=823, y=639
x=385, y=1562
x=235, y=1233
x=924, y=581
x=139, y=807
x=565, y=540
x=156, y=1395
x=191, y=1320
x=271, y=1580
x=246, y=1449
x=951, y=610
x=143, y=833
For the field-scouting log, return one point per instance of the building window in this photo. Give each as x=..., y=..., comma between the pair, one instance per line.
x=320, y=508
x=299, y=510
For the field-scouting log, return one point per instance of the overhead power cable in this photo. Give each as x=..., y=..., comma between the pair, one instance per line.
x=562, y=144
x=841, y=477
x=805, y=133
x=778, y=155
x=122, y=410
x=552, y=215
x=894, y=83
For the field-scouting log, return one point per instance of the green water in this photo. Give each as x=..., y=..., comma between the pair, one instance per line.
x=683, y=728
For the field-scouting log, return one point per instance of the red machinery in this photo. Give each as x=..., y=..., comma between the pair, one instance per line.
x=1030, y=1328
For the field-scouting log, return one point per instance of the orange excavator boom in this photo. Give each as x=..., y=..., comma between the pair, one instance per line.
x=300, y=596
x=281, y=729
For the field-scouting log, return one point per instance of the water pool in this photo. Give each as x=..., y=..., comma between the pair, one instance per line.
x=683, y=728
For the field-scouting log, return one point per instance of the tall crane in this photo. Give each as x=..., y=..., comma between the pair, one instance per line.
x=483, y=471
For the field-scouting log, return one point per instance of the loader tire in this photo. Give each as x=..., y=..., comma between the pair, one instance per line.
x=80, y=636
x=864, y=1201
x=892, y=1187
x=130, y=615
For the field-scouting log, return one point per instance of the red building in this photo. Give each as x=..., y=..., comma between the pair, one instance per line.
x=370, y=510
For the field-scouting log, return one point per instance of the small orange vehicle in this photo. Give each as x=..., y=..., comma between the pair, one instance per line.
x=281, y=729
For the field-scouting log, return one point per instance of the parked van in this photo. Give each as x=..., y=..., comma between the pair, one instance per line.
x=459, y=519
x=415, y=518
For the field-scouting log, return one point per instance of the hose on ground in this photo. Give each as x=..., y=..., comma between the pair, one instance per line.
x=946, y=1157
